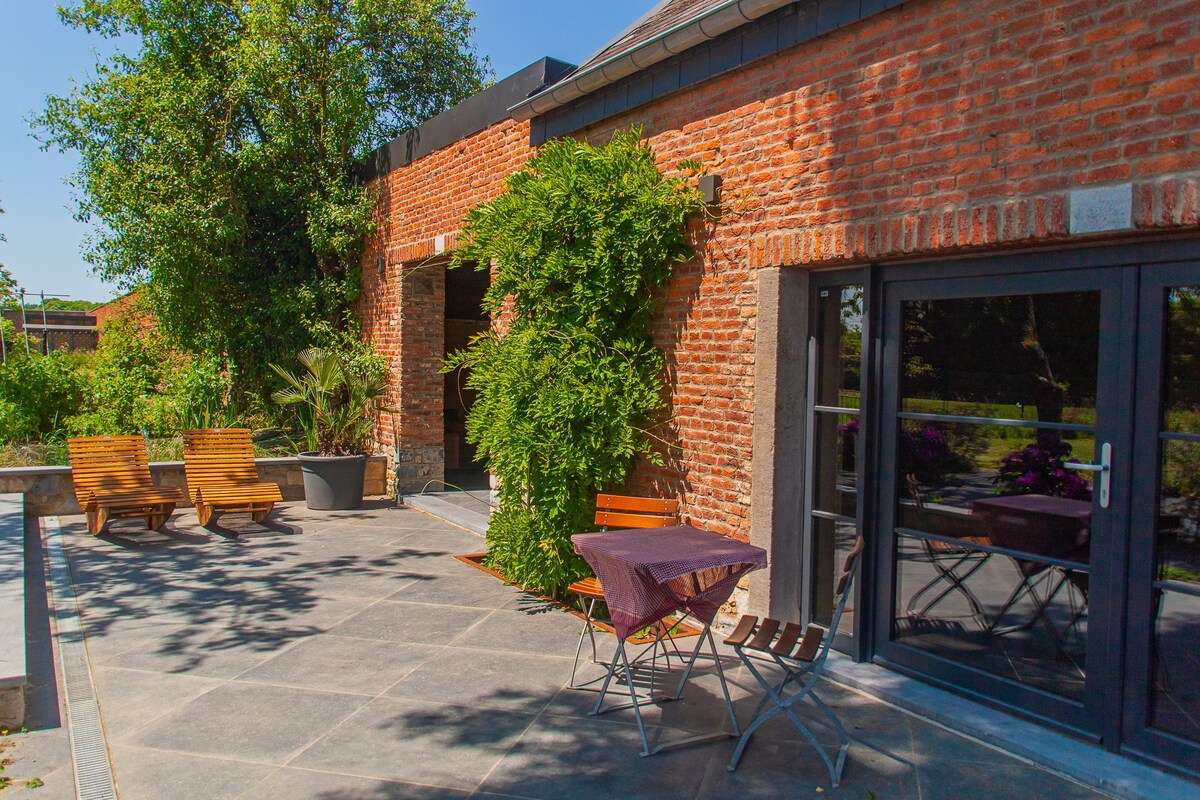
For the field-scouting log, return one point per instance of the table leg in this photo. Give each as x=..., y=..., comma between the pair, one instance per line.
x=633, y=701
x=704, y=737
x=621, y=659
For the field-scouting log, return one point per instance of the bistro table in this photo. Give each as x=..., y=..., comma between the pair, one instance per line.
x=651, y=573
x=1056, y=529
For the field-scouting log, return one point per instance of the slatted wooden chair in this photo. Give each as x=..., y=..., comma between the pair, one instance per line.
x=221, y=476
x=617, y=511
x=768, y=642
x=112, y=481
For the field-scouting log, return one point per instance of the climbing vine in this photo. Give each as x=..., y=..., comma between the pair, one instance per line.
x=568, y=386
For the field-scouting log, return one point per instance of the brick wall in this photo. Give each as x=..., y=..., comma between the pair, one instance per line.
x=938, y=127
x=422, y=206
x=122, y=306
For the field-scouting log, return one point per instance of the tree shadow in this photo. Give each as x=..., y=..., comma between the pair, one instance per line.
x=210, y=594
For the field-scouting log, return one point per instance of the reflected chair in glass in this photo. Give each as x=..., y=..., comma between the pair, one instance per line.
x=614, y=511
x=954, y=565
x=767, y=644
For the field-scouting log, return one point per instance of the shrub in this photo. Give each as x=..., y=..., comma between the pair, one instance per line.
x=137, y=383
x=568, y=390
x=1038, y=468
x=38, y=393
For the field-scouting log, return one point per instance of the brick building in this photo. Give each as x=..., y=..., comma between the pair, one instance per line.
x=954, y=238
x=55, y=330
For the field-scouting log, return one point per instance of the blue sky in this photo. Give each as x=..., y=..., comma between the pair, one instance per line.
x=40, y=56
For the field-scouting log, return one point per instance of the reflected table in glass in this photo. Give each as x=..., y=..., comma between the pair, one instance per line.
x=649, y=574
x=1056, y=529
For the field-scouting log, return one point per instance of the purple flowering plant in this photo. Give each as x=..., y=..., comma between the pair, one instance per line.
x=1038, y=468
x=925, y=453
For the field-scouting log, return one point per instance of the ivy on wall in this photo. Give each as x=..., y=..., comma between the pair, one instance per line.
x=568, y=388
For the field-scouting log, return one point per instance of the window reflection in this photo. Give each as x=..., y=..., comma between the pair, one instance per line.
x=1175, y=595
x=995, y=527
x=834, y=445
x=1021, y=357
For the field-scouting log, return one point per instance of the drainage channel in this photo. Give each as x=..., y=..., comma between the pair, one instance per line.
x=89, y=749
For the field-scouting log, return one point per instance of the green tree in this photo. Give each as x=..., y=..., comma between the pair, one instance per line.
x=218, y=160
x=137, y=383
x=58, y=304
x=568, y=391
x=8, y=284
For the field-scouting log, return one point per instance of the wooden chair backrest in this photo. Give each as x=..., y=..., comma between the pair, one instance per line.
x=218, y=457
x=108, y=464
x=621, y=511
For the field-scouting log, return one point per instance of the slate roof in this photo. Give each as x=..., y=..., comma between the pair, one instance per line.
x=665, y=15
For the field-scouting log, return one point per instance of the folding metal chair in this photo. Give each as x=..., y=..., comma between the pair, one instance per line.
x=618, y=511
x=767, y=641
x=953, y=563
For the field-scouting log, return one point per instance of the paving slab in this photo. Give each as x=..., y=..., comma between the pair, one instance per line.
x=434, y=744
x=349, y=656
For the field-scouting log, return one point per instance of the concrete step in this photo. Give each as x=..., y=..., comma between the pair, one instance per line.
x=465, y=509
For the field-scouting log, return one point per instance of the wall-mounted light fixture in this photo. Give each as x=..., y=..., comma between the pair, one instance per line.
x=710, y=189
x=439, y=244
x=380, y=265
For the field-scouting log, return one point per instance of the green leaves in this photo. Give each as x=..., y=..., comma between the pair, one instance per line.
x=567, y=395
x=217, y=154
x=336, y=399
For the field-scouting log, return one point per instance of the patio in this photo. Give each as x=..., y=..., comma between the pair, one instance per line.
x=342, y=655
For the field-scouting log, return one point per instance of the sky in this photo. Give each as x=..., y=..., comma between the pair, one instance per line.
x=40, y=56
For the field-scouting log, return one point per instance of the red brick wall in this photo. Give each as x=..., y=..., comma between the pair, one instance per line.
x=941, y=126
x=403, y=308
x=122, y=306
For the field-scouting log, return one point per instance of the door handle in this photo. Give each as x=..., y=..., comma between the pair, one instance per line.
x=1104, y=468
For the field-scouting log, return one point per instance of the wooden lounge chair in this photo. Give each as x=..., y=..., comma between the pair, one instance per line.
x=221, y=476
x=112, y=481
x=617, y=511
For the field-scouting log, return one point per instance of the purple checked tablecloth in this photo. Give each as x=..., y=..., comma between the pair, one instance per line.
x=648, y=574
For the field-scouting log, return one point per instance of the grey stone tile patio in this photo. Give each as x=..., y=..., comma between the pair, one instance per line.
x=349, y=656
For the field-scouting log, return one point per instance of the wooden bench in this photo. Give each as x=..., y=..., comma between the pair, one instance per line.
x=112, y=481
x=222, y=477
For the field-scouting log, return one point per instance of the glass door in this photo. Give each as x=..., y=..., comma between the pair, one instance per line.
x=1162, y=705
x=834, y=453
x=1004, y=424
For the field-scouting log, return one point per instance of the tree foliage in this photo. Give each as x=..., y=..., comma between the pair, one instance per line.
x=137, y=383
x=568, y=390
x=336, y=399
x=8, y=284
x=217, y=160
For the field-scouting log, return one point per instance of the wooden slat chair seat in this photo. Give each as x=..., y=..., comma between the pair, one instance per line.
x=112, y=480
x=801, y=653
x=222, y=477
x=619, y=512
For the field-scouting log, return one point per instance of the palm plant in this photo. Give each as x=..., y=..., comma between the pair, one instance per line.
x=336, y=402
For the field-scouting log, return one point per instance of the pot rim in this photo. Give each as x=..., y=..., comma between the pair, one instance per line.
x=311, y=455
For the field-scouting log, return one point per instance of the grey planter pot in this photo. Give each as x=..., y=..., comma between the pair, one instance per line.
x=333, y=483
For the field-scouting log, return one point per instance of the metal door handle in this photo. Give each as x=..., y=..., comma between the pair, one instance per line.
x=1104, y=468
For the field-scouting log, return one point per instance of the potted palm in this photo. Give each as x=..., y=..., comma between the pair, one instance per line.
x=336, y=403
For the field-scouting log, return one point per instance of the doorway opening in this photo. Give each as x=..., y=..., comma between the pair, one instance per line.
x=465, y=319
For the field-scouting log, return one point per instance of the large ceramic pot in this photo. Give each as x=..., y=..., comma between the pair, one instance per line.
x=333, y=483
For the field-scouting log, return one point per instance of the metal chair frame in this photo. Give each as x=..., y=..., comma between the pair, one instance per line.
x=939, y=555
x=755, y=642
